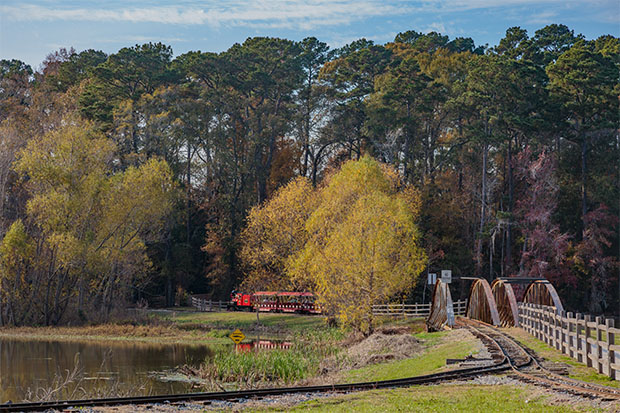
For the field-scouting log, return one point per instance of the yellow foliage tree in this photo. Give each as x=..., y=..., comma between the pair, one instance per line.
x=354, y=242
x=363, y=245
x=275, y=231
x=88, y=224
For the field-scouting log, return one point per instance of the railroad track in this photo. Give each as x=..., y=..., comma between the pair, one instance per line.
x=501, y=364
x=527, y=368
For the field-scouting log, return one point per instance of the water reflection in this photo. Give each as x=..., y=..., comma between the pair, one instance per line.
x=32, y=368
x=264, y=345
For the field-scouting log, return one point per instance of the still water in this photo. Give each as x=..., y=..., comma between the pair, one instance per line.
x=32, y=369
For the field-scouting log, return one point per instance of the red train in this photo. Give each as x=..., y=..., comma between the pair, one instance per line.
x=275, y=301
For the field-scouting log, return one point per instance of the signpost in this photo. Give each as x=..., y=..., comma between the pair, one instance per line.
x=446, y=276
x=237, y=336
x=432, y=278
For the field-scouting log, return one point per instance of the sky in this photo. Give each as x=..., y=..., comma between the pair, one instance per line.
x=30, y=29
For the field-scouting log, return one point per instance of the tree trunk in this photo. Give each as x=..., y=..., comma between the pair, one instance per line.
x=188, y=193
x=483, y=207
x=508, y=256
x=584, y=172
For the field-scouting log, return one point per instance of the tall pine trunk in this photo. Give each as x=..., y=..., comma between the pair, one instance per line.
x=483, y=203
x=508, y=256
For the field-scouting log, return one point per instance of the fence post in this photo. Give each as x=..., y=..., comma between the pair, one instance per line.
x=578, y=346
x=528, y=320
x=588, y=349
x=561, y=333
x=599, y=347
x=611, y=354
x=566, y=334
x=541, y=322
x=546, y=325
x=553, y=315
x=556, y=334
x=558, y=329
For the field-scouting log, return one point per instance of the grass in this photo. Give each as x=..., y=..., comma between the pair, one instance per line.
x=577, y=370
x=263, y=366
x=288, y=323
x=114, y=332
x=251, y=369
x=183, y=327
x=444, y=398
x=438, y=346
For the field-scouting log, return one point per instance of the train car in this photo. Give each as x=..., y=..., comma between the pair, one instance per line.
x=266, y=301
x=285, y=302
x=274, y=301
x=240, y=302
x=290, y=302
x=309, y=304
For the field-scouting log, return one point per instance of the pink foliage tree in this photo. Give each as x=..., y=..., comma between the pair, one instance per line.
x=545, y=247
x=590, y=258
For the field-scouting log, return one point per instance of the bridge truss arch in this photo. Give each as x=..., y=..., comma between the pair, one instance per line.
x=543, y=293
x=506, y=301
x=442, y=308
x=481, y=303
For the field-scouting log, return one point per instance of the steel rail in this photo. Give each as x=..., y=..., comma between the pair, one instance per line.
x=500, y=366
x=552, y=380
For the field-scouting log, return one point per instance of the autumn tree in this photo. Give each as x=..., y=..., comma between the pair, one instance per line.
x=84, y=236
x=545, y=246
x=15, y=87
x=594, y=263
x=363, y=245
x=276, y=230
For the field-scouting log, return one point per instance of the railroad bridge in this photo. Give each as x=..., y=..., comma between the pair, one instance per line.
x=534, y=305
x=496, y=303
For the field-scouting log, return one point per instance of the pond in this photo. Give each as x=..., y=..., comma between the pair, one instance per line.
x=36, y=370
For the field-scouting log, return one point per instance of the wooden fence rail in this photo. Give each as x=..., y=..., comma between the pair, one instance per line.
x=409, y=310
x=208, y=305
x=591, y=341
x=414, y=310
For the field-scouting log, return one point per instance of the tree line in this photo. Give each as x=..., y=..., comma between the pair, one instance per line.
x=513, y=150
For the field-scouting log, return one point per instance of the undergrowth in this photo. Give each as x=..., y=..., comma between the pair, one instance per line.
x=248, y=369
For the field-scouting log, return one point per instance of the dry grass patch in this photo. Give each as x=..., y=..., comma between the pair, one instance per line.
x=110, y=332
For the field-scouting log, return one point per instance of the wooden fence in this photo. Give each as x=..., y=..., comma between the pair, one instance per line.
x=409, y=310
x=414, y=310
x=208, y=305
x=592, y=341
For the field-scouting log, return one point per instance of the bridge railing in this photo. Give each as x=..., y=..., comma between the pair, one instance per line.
x=208, y=305
x=414, y=310
x=591, y=341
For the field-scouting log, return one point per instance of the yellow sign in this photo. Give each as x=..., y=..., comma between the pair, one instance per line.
x=237, y=336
